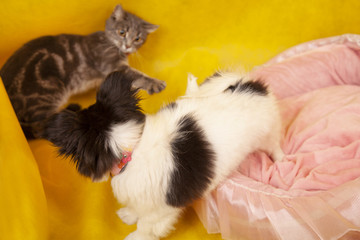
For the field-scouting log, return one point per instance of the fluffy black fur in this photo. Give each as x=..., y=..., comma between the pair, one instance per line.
x=82, y=134
x=194, y=163
x=254, y=87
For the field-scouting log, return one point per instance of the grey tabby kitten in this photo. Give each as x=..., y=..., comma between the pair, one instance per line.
x=41, y=76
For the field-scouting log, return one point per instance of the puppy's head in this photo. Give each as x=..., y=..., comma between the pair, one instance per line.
x=94, y=137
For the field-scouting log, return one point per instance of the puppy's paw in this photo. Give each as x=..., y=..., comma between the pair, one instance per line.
x=139, y=236
x=278, y=156
x=127, y=215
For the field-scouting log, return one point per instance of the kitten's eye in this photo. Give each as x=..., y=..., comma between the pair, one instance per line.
x=122, y=33
x=137, y=39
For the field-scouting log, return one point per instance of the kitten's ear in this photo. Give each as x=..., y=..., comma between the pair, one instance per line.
x=118, y=13
x=150, y=27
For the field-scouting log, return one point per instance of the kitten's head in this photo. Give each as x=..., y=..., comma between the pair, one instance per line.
x=94, y=138
x=127, y=31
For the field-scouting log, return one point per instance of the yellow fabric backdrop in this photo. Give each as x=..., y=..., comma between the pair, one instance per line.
x=42, y=196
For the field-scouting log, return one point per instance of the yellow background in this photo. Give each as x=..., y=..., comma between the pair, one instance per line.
x=41, y=195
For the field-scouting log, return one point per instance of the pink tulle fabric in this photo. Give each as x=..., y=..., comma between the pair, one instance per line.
x=315, y=192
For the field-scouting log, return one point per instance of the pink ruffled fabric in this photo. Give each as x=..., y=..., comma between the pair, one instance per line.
x=315, y=192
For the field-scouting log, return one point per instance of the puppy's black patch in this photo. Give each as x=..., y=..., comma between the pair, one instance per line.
x=256, y=87
x=194, y=163
x=82, y=135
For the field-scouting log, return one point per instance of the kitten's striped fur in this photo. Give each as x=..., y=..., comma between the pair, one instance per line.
x=41, y=75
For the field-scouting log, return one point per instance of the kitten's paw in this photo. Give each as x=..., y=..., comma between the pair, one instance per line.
x=151, y=85
x=127, y=215
x=156, y=86
x=139, y=236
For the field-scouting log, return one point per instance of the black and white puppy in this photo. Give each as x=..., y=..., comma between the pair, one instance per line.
x=175, y=156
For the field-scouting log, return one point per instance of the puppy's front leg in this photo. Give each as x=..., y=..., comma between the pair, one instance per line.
x=127, y=215
x=155, y=225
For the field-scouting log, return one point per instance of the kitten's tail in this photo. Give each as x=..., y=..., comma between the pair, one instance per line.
x=28, y=132
x=74, y=107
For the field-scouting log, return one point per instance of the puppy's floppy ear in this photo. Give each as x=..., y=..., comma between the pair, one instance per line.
x=83, y=135
x=78, y=136
x=117, y=86
x=119, y=98
x=60, y=126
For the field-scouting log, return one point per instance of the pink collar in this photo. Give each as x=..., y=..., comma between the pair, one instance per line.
x=121, y=163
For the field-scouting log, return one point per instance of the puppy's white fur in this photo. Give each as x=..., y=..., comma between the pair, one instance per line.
x=234, y=123
x=124, y=136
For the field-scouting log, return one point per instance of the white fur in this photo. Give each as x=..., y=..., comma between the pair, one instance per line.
x=124, y=136
x=192, y=84
x=235, y=124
